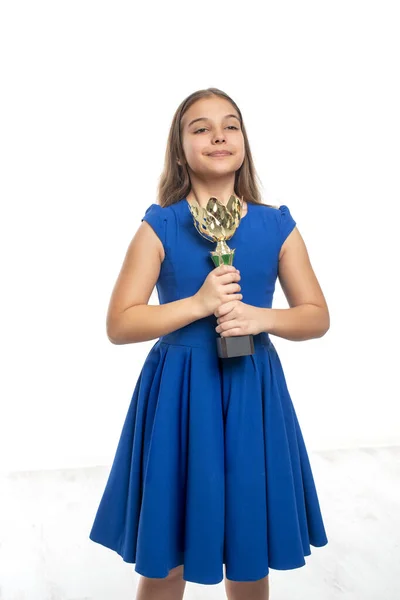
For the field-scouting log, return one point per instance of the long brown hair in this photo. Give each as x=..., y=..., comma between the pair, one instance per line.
x=174, y=182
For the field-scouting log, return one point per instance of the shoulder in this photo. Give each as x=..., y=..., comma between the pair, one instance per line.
x=157, y=211
x=156, y=216
x=161, y=219
x=162, y=212
x=274, y=211
x=280, y=218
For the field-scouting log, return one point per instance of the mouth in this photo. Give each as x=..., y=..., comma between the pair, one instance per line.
x=220, y=154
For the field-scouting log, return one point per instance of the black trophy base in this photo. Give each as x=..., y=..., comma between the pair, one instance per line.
x=235, y=345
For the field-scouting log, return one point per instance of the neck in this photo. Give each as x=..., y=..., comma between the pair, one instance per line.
x=220, y=188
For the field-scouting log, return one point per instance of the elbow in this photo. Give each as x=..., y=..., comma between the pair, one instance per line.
x=118, y=334
x=112, y=331
x=322, y=332
x=112, y=337
x=121, y=331
x=325, y=324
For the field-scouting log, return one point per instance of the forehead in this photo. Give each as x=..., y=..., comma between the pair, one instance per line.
x=211, y=108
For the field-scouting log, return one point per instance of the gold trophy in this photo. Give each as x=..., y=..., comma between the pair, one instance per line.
x=217, y=223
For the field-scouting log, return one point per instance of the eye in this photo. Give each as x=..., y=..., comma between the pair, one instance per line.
x=203, y=128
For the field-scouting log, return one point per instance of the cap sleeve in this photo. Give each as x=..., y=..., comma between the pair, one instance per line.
x=156, y=216
x=286, y=223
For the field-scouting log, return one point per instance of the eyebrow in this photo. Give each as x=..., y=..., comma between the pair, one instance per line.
x=207, y=119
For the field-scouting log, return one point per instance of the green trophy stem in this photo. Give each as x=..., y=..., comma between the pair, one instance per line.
x=223, y=255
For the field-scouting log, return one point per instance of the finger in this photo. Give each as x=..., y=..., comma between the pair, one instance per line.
x=232, y=300
x=226, y=307
x=225, y=269
x=228, y=275
x=227, y=325
x=231, y=332
x=228, y=304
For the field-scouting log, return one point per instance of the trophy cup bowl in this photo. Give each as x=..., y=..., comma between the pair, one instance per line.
x=217, y=223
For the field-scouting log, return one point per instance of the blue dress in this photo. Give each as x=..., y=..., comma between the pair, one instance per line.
x=211, y=467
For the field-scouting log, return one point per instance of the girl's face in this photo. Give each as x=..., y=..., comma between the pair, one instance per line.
x=217, y=130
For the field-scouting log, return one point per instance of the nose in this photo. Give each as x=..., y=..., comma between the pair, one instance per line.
x=218, y=138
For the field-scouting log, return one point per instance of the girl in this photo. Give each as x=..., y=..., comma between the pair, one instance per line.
x=211, y=468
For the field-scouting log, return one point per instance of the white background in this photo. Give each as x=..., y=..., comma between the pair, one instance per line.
x=88, y=94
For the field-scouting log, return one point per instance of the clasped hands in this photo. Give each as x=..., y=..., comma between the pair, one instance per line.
x=237, y=318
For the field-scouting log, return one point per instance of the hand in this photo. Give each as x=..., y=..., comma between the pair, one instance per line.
x=219, y=286
x=237, y=318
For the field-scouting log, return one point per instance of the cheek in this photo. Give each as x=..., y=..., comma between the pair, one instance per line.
x=194, y=150
x=241, y=155
x=197, y=145
x=240, y=146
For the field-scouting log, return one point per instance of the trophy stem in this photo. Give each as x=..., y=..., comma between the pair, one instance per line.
x=222, y=255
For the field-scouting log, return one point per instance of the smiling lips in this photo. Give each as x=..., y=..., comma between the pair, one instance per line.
x=220, y=153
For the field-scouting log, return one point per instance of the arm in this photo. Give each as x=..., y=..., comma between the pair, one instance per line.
x=129, y=318
x=308, y=315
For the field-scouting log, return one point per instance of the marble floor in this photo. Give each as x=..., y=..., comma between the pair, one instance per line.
x=45, y=552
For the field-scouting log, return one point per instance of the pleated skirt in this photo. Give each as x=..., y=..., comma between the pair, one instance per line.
x=211, y=468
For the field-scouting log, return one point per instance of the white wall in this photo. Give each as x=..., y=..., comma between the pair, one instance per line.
x=89, y=91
